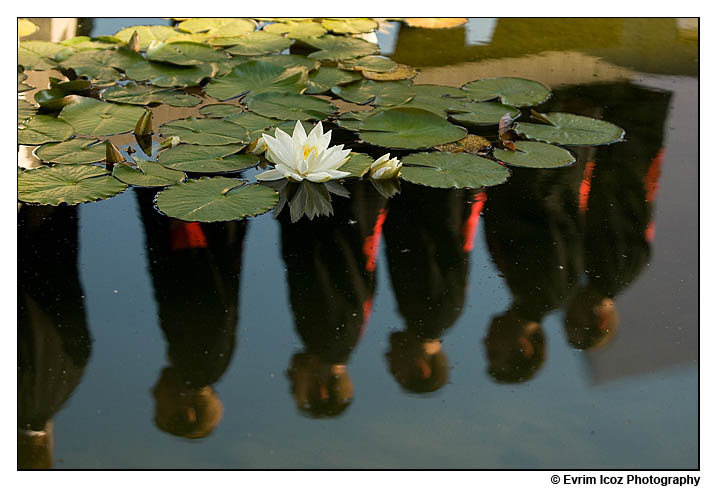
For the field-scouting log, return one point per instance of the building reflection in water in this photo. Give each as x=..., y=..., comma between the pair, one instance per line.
x=331, y=264
x=53, y=338
x=195, y=269
x=429, y=235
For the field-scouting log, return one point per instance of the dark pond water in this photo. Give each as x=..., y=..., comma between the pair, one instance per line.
x=550, y=322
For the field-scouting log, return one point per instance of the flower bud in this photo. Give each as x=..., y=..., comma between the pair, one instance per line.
x=385, y=168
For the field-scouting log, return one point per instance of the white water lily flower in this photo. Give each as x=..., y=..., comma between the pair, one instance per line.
x=301, y=156
x=384, y=168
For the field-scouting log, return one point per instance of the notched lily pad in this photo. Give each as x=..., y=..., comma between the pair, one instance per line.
x=211, y=199
x=38, y=55
x=68, y=184
x=409, y=128
x=350, y=26
x=148, y=33
x=378, y=64
x=481, y=113
x=207, y=159
x=218, y=27
x=376, y=93
x=92, y=117
x=208, y=132
x=519, y=92
x=43, y=129
x=256, y=43
x=336, y=48
x=184, y=53
x=256, y=77
x=290, y=106
x=571, y=130
x=322, y=80
x=357, y=165
x=167, y=75
x=147, y=174
x=452, y=170
x=535, y=155
x=72, y=152
x=134, y=94
x=296, y=30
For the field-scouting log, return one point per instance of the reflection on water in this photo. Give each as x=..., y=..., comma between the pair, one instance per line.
x=567, y=243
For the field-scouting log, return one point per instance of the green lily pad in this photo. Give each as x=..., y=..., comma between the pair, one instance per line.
x=380, y=64
x=519, y=92
x=134, y=94
x=357, y=165
x=322, y=80
x=209, y=132
x=452, y=170
x=218, y=27
x=207, y=159
x=43, y=129
x=101, y=65
x=350, y=26
x=75, y=151
x=68, y=184
x=353, y=120
x=21, y=77
x=337, y=48
x=254, y=43
x=53, y=99
x=83, y=43
x=148, y=33
x=296, y=30
x=409, y=128
x=376, y=93
x=221, y=111
x=256, y=77
x=290, y=106
x=93, y=117
x=257, y=124
x=167, y=75
x=288, y=61
x=25, y=110
x=535, y=155
x=571, y=130
x=211, y=199
x=438, y=91
x=147, y=174
x=184, y=53
x=38, y=55
x=482, y=113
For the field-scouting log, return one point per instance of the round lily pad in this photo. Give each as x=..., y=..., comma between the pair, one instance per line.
x=69, y=184
x=335, y=48
x=218, y=27
x=101, y=65
x=350, y=26
x=452, y=170
x=167, y=75
x=287, y=61
x=296, y=30
x=257, y=43
x=409, y=128
x=208, y=132
x=519, y=92
x=372, y=63
x=184, y=53
x=322, y=80
x=290, y=106
x=535, y=155
x=220, y=111
x=377, y=93
x=353, y=120
x=92, y=117
x=147, y=34
x=207, y=159
x=211, y=199
x=482, y=113
x=134, y=94
x=147, y=174
x=38, y=55
x=82, y=43
x=256, y=77
x=43, y=129
x=571, y=130
x=75, y=151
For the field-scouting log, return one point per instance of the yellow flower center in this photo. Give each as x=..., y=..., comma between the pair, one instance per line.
x=308, y=150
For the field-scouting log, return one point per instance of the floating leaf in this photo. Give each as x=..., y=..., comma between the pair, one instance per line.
x=296, y=30
x=166, y=75
x=147, y=174
x=350, y=26
x=184, y=53
x=21, y=77
x=357, y=165
x=207, y=159
x=353, y=120
x=256, y=43
x=438, y=91
x=218, y=27
x=43, y=129
x=409, y=128
x=288, y=61
x=69, y=184
x=256, y=77
x=482, y=113
x=371, y=63
x=148, y=33
x=38, y=55
x=25, y=28
x=94, y=117
x=572, y=130
x=452, y=170
x=535, y=155
x=401, y=72
x=290, y=106
x=220, y=111
x=378, y=93
x=134, y=94
x=81, y=43
x=322, y=80
x=209, y=132
x=75, y=151
x=470, y=144
x=25, y=110
x=340, y=47
x=519, y=92
x=101, y=65
x=211, y=199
